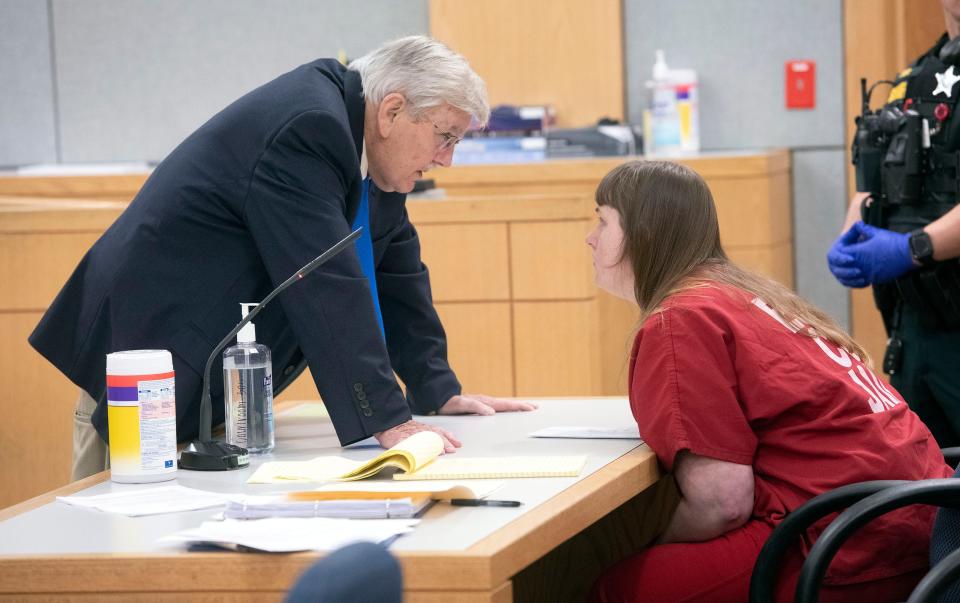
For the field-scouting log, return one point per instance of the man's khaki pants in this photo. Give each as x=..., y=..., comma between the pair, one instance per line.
x=90, y=452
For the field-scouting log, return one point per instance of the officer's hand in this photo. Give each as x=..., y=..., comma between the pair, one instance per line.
x=880, y=255
x=476, y=404
x=393, y=436
x=842, y=264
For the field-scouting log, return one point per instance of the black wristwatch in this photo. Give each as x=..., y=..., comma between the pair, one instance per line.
x=921, y=247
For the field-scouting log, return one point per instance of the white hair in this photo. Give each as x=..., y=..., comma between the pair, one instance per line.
x=427, y=73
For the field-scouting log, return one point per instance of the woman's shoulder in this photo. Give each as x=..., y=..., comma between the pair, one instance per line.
x=705, y=310
x=707, y=300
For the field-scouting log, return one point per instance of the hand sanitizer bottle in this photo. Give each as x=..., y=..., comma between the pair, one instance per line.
x=248, y=391
x=663, y=123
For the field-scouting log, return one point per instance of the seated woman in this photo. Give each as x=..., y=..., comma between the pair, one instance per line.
x=756, y=402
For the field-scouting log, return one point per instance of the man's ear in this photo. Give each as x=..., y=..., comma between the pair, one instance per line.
x=389, y=111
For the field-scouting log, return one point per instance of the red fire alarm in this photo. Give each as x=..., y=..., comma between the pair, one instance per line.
x=801, y=84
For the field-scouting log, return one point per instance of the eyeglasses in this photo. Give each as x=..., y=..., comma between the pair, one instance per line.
x=448, y=140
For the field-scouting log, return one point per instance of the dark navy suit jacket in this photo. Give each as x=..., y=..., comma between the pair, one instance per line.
x=266, y=185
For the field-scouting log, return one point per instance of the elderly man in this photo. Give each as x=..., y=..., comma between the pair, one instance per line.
x=262, y=188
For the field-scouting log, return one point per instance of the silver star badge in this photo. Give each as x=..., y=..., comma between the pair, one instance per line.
x=945, y=81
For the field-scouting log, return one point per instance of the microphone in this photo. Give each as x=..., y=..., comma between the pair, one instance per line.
x=205, y=453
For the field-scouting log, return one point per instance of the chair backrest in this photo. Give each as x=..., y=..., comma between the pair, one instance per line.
x=927, y=491
x=944, y=540
x=763, y=581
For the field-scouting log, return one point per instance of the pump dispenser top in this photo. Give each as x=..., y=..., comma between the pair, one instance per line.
x=248, y=334
x=660, y=70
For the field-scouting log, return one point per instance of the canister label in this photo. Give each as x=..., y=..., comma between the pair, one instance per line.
x=143, y=423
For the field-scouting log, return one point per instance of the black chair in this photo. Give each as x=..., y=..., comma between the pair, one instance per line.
x=358, y=572
x=952, y=455
x=763, y=579
x=863, y=502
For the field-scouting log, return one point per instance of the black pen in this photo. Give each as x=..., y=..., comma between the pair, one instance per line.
x=483, y=502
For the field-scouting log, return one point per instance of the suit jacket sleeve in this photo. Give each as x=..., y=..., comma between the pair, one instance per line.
x=415, y=337
x=295, y=210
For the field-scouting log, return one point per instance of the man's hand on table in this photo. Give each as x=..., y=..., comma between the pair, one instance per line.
x=464, y=404
x=389, y=438
x=478, y=404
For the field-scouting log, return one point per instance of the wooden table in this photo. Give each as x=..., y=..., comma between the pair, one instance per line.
x=550, y=549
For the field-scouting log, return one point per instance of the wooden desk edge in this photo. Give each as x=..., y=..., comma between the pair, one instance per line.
x=507, y=551
x=484, y=566
x=49, y=497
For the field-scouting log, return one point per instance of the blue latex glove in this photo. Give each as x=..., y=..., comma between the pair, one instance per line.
x=841, y=263
x=868, y=255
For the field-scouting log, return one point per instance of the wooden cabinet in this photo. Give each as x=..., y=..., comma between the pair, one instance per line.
x=530, y=327
x=40, y=244
x=566, y=336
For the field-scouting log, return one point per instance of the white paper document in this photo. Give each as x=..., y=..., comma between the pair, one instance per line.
x=377, y=499
x=289, y=534
x=149, y=501
x=259, y=507
x=631, y=432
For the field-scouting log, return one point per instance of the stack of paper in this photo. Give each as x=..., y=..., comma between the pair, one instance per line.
x=258, y=507
x=437, y=490
x=288, y=534
x=354, y=500
x=149, y=501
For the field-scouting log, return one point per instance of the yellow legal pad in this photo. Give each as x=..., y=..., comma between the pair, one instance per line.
x=409, y=455
x=498, y=467
x=416, y=458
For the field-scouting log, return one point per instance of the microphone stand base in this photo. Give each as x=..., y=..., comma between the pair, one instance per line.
x=213, y=456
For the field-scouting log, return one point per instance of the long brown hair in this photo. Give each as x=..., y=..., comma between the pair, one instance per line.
x=672, y=242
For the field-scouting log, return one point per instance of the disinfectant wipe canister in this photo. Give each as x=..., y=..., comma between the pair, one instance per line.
x=142, y=416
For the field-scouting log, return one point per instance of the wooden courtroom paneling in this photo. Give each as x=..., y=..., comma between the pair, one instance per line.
x=303, y=388
x=460, y=207
x=618, y=327
x=775, y=261
x=881, y=37
x=585, y=557
x=480, y=350
x=34, y=268
x=37, y=426
x=467, y=262
x=581, y=176
x=117, y=187
x=551, y=260
x=41, y=241
x=754, y=210
x=557, y=348
x=569, y=55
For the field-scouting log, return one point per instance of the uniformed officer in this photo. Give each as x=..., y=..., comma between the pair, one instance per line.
x=902, y=233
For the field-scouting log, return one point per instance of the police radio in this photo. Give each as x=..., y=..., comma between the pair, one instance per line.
x=869, y=144
x=887, y=150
